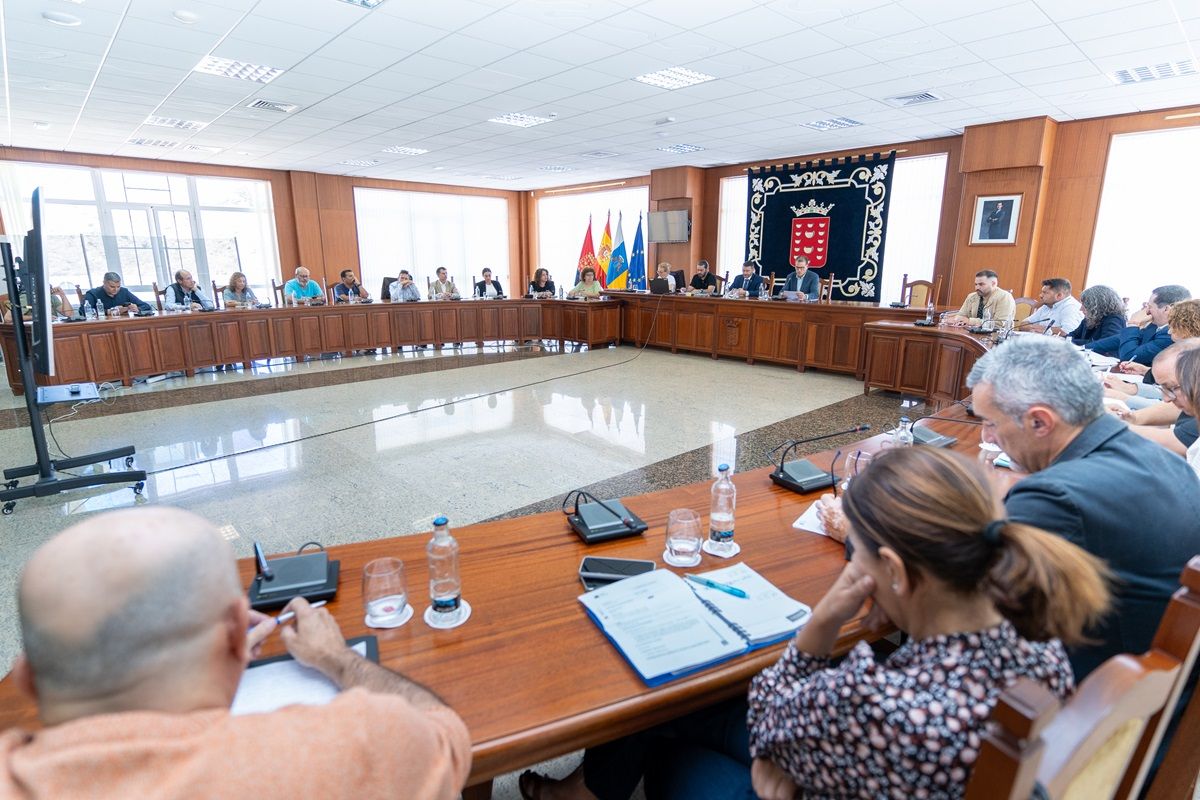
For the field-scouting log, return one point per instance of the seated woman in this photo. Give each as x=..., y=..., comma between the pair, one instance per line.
x=541, y=287
x=663, y=271
x=237, y=293
x=1187, y=396
x=588, y=287
x=488, y=287
x=1103, y=315
x=985, y=601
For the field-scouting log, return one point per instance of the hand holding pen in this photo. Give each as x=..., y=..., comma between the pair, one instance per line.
x=263, y=625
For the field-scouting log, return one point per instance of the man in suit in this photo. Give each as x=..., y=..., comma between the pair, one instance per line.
x=134, y=625
x=748, y=284
x=803, y=280
x=1146, y=331
x=1091, y=480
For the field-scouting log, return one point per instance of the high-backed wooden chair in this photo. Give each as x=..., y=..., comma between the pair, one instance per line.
x=159, y=294
x=825, y=292
x=918, y=294
x=218, y=291
x=722, y=282
x=79, y=294
x=277, y=292
x=1025, y=307
x=770, y=284
x=1102, y=742
x=385, y=292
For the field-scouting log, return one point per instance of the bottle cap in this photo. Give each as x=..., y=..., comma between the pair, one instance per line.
x=441, y=521
x=723, y=468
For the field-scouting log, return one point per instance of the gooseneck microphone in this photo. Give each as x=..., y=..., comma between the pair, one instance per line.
x=804, y=476
x=932, y=438
x=596, y=520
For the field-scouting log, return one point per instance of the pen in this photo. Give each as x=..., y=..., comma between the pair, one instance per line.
x=720, y=587
x=287, y=615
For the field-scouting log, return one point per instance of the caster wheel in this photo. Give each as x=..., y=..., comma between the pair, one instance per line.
x=9, y=506
x=138, y=487
x=128, y=461
x=11, y=484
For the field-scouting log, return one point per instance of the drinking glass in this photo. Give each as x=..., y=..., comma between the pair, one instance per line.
x=384, y=595
x=683, y=538
x=856, y=462
x=988, y=453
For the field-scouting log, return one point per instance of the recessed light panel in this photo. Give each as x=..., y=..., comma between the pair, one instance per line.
x=61, y=18
x=520, y=120
x=359, y=162
x=681, y=148
x=556, y=168
x=144, y=142
x=1153, y=72
x=500, y=177
x=831, y=124
x=674, y=78
x=228, y=68
x=599, y=154
x=405, y=151
x=200, y=148
x=178, y=124
x=364, y=3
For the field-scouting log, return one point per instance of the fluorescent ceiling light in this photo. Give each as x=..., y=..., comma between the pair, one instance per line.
x=61, y=18
x=364, y=3
x=556, y=168
x=405, y=151
x=681, y=148
x=521, y=120
x=359, y=162
x=500, y=177
x=599, y=154
x=145, y=142
x=200, y=148
x=178, y=124
x=228, y=68
x=1153, y=72
x=831, y=124
x=674, y=78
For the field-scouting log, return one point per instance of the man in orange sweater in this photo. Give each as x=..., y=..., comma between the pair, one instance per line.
x=135, y=632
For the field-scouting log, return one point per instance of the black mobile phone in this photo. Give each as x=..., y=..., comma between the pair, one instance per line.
x=612, y=569
x=592, y=583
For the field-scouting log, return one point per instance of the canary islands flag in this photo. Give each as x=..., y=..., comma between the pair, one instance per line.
x=637, y=260
x=604, y=253
x=618, y=264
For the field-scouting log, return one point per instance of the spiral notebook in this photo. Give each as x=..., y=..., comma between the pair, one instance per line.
x=667, y=627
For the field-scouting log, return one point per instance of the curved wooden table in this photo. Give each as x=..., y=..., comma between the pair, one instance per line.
x=928, y=362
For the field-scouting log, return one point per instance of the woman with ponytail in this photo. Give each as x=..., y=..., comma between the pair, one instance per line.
x=984, y=601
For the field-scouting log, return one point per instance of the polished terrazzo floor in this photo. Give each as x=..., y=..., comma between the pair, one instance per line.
x=374, y=446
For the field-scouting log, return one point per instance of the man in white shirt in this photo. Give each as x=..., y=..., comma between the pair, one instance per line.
x=1059, y=310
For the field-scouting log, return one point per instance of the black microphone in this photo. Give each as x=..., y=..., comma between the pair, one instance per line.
x=804, y=476
x=584, y=521
x=260, y=558
x=625, y=518
x=932, y=438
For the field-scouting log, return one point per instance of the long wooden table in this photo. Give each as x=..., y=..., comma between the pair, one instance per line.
x=932, y=363
x=128, y=347
x=826, y=336
x=532, y=676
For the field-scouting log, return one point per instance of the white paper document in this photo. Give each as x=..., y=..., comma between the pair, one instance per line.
x=810, y=520
x=272, y=686
x=764, y=615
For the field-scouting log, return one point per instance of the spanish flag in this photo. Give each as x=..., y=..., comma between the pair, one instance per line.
x=605, y=253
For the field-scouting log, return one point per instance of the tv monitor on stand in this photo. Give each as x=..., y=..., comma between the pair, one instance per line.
x=35, y=355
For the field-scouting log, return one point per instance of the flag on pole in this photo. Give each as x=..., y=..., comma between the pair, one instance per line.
x=637, y=260
x=587, y=254
x=604, y=253
x=618, y=265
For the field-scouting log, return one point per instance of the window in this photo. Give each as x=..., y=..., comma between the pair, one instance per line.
x=563, y=219
x=421, y=231
x=145, y=225
x=1145, y=214
x=914, y=215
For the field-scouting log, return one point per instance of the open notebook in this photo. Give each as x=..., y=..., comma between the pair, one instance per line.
x=667, y=627
x=273, y=683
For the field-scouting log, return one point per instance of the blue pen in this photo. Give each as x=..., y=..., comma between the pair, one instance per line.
x=720, y=587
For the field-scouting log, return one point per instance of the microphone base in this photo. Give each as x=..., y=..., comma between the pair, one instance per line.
x=594, y=523
x=802, y=477
x=931, y=438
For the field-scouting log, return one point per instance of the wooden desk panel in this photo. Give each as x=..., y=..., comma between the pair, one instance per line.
x=932, y=363
x=125, y=348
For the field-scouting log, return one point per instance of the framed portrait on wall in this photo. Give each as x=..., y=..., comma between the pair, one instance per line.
x=995, y=220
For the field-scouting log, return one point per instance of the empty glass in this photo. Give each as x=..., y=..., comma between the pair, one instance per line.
x=683, y=538
x=384, y=595
x=855, y=463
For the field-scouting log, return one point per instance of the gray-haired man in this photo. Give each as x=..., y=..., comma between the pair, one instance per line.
x=1092, y=481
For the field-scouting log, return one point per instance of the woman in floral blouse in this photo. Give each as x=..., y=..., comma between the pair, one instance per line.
x=984, y=602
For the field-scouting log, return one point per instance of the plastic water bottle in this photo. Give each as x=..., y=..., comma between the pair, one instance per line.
x=720, y=514
x=903, y=437
x=445, y=586
x=929, y=312
x=89, y=311
x=560, y=293
x=989, y=324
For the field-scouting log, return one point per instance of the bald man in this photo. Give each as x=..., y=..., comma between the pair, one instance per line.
x=135, y=632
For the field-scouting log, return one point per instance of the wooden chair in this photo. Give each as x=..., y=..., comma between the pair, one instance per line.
x=722, y=282
x=1025, y=307
x=385, y=295
x=159, y=294
x=277, y=293
x=1101, y=744
x=79, y=294
x=918, y=294
x=825, y=293
x=216, y=296
x=680, y=280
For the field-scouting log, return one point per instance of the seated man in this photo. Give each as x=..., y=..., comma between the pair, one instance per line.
x=302, y=289
x=184, y=294
x=1092, y=480
x=1059, y=313
x=1146, y=332
x=135, y=632
x=703, y=282
x=1183, y=322
x=1166, y=422
x=349, y=287
x=748, y=284
x=803, y=280
x=988, y=300
x=443, y=288
x=403, y=290
x=111, y=297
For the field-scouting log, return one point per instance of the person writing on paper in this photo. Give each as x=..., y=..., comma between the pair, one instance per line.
x=934, y=554
x=1183, y=323
x=134, y=625
x=988, y=300
x=588, y=287
x=1059, y=313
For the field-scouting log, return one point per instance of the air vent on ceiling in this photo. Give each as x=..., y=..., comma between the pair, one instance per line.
x=178, y=124
x=144, y=142
x=599, y=154
x=272, y=105
x=831, y=124
x=360, y=162
x=405, y=151
x=1154, y=72
x=914, y=99
x=681, y=148
x=500, y=177
x=556, y=168
x=200, y=148
x=520, y=120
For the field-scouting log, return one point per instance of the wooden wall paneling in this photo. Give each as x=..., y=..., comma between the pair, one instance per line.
x=489, y=320
x=531, y=321
x=170, y=349
x=403, y=318
x=950, y=376
x=550, y=321
x=765, y=338
x=379, y=328
x=285, y=339
x=309, y=251
x=510, y=322
x=426, y=324
x=339, y=229
x=1004, y=145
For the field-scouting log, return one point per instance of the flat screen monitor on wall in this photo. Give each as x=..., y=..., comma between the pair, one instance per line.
x=667, y=226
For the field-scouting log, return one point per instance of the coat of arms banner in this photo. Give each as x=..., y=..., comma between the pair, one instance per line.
x=832, y=212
